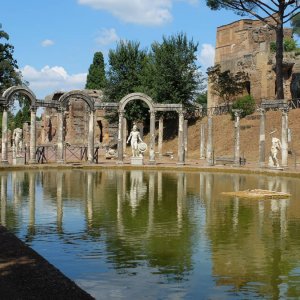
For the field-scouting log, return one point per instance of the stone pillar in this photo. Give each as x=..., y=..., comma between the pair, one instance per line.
x=4, y=159
x=262, y=137
x=60, y=137
x=181, y=154
x=209, y=146
x=237, y=114
x=284, y=136
x=32, y=158
x=202, y=141
x=160, y=134
x=124, y=134
x=90, y=149
x=152, y=138
x=185, y=138
x=120, y=138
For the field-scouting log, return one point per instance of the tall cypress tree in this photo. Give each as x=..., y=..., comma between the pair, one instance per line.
x=96, y=77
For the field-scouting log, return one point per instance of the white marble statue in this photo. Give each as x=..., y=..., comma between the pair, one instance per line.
x=135, y=139
x=276, y=146
x=18, y=141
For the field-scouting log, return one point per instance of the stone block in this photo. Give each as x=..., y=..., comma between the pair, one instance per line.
x=137, y=161
x=18, y=161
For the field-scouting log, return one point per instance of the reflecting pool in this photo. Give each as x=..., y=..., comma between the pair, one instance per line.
x=159, y=235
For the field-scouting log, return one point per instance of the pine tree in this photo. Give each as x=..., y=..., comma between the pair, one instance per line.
x=96, y=77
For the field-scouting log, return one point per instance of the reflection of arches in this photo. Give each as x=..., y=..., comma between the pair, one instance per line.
x=136, y=96
x=8, y=94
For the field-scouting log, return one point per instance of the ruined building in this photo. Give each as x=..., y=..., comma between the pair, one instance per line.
x=244, y=45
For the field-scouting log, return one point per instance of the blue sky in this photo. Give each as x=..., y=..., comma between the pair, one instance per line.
x=55, y=40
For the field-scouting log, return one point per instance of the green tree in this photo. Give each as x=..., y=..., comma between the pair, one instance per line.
x=226, y=84
x=9, y=74
x=126, y=66
x=96, y=76
x=173, y=75
x=274, y=13
x=295, y=23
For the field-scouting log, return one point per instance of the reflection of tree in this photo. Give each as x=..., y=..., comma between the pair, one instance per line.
x=257, y=258
x=133, y=239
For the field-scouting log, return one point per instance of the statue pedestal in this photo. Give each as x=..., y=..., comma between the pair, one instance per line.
x=18, y=161
x=137, y=161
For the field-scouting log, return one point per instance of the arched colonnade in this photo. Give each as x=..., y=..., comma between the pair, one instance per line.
x=61, y=106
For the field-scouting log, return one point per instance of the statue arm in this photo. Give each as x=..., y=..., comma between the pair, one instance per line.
x=129, y=138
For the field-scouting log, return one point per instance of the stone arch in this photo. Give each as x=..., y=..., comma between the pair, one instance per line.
x=136, y=96
x=7, y=95
x=65, y=98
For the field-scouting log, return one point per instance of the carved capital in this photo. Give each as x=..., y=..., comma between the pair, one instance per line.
x=261, y=111
x=284, y=110
x=237, y=112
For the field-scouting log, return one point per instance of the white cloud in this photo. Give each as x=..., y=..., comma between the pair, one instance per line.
x=107, y=36
x=146, y=12
x=47, y=43
x=207, y=56
x=50, y=79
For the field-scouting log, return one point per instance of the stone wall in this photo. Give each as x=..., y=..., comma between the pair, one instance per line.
x=76, y=123
x=245, y=46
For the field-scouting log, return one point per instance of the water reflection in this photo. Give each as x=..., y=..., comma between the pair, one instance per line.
x=173, y=232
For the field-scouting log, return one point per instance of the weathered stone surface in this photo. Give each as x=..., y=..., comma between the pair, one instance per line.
x=245, y=46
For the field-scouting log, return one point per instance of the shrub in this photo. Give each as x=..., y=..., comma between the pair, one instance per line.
x=246, y=103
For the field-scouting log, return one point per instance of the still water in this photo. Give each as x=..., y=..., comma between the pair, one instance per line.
x=159, y=235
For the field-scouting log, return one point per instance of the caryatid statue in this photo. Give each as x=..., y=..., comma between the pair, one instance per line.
x=276, y=146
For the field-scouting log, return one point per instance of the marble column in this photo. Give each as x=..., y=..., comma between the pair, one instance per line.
x=32, y=158
x=209, y=146
x=202, y=141
x=90, y=149
x=262, y=137
x=152, y=138
x=124, y=134
x=160, y=134
x=60, y=137
x=120, y=138
x=181, y=154
x=185, y=138
x=237, y=114
x=4, y=159
x=284, y=136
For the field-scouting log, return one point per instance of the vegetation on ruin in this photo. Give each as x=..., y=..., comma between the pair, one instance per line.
x=289, y=45
x=226, y=84
x=246, y=104
x=96, y=78
x=275, y=14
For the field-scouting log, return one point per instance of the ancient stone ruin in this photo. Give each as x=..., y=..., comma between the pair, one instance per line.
x=244, y=45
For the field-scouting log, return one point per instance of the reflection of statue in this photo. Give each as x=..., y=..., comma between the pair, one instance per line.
x=135, y=138
x=18, y=140
x=138, y=189
x=276, y=146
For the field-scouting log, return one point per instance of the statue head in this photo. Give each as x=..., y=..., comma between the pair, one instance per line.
x=134, y=128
